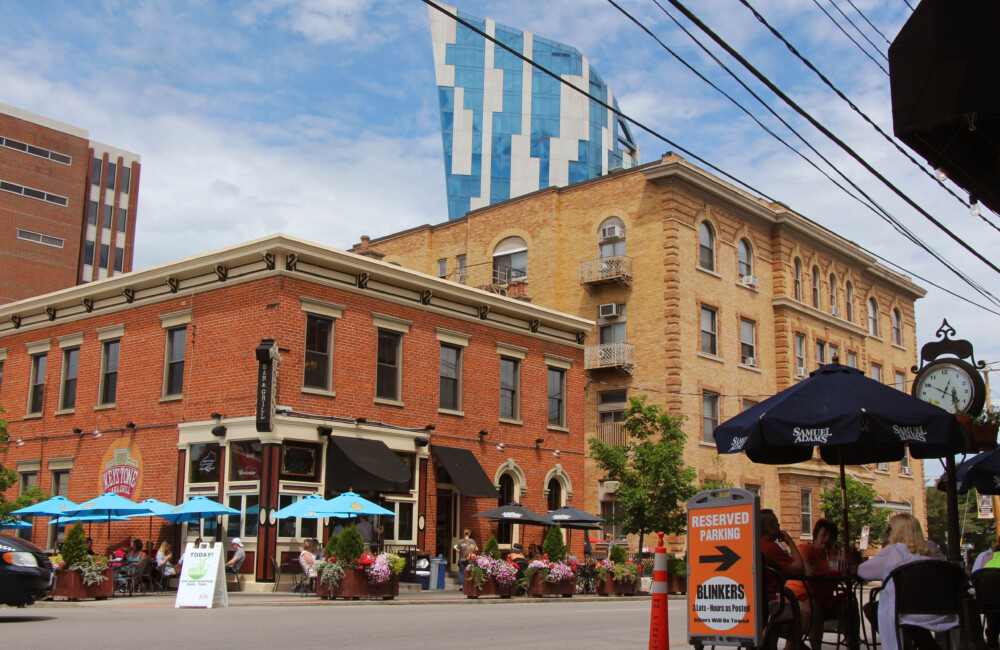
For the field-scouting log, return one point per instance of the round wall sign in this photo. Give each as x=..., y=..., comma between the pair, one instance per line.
x=262, y=516
x=420, y=522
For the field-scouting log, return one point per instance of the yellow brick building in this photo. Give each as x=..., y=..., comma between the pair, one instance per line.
x=707, y=299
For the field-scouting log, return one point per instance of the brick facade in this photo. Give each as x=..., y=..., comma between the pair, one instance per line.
x=229, y=301
x=662, y=207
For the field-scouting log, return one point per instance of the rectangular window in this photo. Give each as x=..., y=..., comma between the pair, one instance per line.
x=95, y=172
x=709, y=332
x=126, y=178
x=876, y=372
x=442, y=268
x=88, y=252
x=900, y=381
x=245, y=460
x=611, y=405
x=105, y=250
x=450, y=373
x=748, y=404
x=460, y=267
x=852, y=359
x=110, y=179
x=300, y=461
x=92, y=209
x=60, y=487
x=834, y=354
x=807, y=523
x=119, y=259
x=509, y=382
x=748, y=346
x=611, y=329
x=122, y=219
x=800, y=352
x=904, y=462
x=71, y=359
x=294, y=527
x=399, y=527
x=28, y=481
x=47, y=240
x=609, y=510
x=820, y=352
x=709, y=415
x=176, y=341
x=557, y=397
x=109, y=372
x=36, y=394
x=109, y=212
x=318, y=366
x=244, y=524
x=204, y=462
x=387, y=375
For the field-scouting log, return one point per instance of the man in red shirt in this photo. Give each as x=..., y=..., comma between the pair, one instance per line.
x=781, y=554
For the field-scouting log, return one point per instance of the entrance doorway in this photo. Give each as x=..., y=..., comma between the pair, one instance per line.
x=446, y=530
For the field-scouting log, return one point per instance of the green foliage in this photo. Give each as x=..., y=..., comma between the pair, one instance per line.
x=28, y=497
x=7, y=475
x=351, y=547
x=477, y=575
x=677, y=566
x=553, y=546
x=978, y=532
x=653, y=482
x=617, y=554
x=492, y=548
x=330, y=573
x=332, y=550
x=74, y=548
x=861, y=510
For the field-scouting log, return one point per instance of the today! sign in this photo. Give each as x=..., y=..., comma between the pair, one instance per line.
x=723, y=556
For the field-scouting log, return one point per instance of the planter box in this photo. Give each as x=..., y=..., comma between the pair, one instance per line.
x=541, y=587
x=610, y=587
x=490, y=589
x=984, y=436
x=677, y=584
x=355, y=585
x=69, y=586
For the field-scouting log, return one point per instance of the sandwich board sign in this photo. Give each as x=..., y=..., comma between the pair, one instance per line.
x=203, y=578
x=724, y=606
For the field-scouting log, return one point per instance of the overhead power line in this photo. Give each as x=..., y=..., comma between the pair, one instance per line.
x=825, y=131
x=862, y=14
x=851, y=38
x=858, y=29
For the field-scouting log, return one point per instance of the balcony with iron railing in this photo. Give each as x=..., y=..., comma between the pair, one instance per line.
x=609, y=355
x=495, y=278
x=614, y=268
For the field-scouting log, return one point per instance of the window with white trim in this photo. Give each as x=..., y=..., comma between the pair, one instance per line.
x=244, y=524
x=294, y=527
x=877, y=372
x=510, y=389
x=800, y=351
x=849, y=302
x=744, y=258
x=557, y=397
x=450, y=377
x=815, y=281
x=748, y=342
x=709, y=415
x=797, y=278
x=709, y=331
x=807, y=521
x=173, y=383
x=897, y=327
x=900, y=381
x=36, y=391
x=318, y=366
x=872, y=317
x=706, y=246
x=388, y=374
x=109, y=372
x=71, y=362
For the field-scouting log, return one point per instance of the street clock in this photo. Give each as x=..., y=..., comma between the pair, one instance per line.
x=950, y=382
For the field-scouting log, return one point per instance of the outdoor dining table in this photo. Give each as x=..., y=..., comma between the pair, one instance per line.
x=850, y=588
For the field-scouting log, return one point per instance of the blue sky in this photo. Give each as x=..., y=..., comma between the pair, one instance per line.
x=319, y=118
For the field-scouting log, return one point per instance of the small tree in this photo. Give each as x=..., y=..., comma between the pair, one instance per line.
x=861, y=510
x=332, y=547
x=617, y=554
x=492, y=548
x=653, y=482
x=7, y=476
x=351, y=547
x=74, y=548
x=553, y=546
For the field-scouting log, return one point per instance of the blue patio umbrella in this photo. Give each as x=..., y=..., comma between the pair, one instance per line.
x=159, y=509
x=14, y=523
x=981, y=471
x=57, y=506
x=109, y=505
x=350, y=504
x=313, y=506
x=89, y=519
x=198, y=508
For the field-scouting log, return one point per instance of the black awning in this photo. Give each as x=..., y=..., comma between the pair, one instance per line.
x=364, y=466
x=465, y=472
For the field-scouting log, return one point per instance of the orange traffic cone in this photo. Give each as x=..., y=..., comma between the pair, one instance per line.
x=659, y=626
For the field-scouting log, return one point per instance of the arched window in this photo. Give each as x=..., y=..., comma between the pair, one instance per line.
x=555, y=494
x=849, y=300
x=872, y=317
x=897, y=327
x=706, y=247
x=611, y=237
x=745, y=256
x=797, y=270
x=505, y=530
x=510, y=260
x=815, y=275
x=833, y=294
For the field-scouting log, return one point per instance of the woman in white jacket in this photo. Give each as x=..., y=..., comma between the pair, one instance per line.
x=905, y=545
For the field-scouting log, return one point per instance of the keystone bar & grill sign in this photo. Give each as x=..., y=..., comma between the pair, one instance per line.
x=122, y=471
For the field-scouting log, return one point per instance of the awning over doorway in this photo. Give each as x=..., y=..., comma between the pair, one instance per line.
x=364, y=466
x=465, y=472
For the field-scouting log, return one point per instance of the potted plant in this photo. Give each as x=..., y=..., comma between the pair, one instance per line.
x=79, y=574
x=551, y=576
x=677, y=575
x=488, y=576
x=616, y=575
x=349, y=572
x=982, y=429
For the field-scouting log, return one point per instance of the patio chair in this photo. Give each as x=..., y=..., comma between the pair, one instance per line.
x=784, y=617
x=294, y=569
x=277, y=574
x=987, y=584
x=932, y=587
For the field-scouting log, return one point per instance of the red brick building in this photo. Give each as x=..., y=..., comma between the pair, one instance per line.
x=67, y=206
x=432, y=398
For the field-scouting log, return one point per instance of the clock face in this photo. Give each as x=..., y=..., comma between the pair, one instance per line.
x=946, y=386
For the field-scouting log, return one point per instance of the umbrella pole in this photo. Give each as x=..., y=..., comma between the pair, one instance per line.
x=951, y=494
x=843, y=498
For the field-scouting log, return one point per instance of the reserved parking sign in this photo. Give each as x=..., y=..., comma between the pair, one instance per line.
x=723, y=557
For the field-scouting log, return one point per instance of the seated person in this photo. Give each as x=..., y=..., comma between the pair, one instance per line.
x=905, y=545
x=118, y=555
x=990, y=559
x=90, y=547
x=239, y=555
x=307, y=559
x=781, y=554
x=130, y=563
x=318, y=550
x=163, y=557
x=180, y=561
x=818, y=556
x=517, y=558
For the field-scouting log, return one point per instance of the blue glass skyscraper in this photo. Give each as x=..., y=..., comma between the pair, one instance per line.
x=509, y=128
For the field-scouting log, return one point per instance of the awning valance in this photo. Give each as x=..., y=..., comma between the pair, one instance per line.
x=465, y=472
x=364, y=466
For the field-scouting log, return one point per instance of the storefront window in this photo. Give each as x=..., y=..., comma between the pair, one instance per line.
x=295, y=528
x=409, y=460
x=244, y=460
x=244, y=524
x=300, y=461
x=398, y=527
x=205, y=462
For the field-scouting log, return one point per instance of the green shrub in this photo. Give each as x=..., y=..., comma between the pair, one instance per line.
x=332, y=547
x=74, y=548
x=677, y=566
x=350, y=548
x=553, y=546
x=492, y=548
x=617, y=554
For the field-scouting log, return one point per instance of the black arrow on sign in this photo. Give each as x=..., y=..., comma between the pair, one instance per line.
x=727, y=558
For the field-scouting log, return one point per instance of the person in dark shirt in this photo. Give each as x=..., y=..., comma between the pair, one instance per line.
x=781, y=554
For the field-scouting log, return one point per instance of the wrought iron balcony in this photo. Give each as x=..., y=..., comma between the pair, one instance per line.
x=611, y=433
x=615, y=268
x=609, y=355
x=495, y=278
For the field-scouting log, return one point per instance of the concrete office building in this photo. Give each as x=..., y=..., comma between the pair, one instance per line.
x=67, y=206
x=510, y=129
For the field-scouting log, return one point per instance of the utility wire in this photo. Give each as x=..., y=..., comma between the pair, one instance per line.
x=870, y=204
x=851, y=38
x=907, y=2
x=691, y=154
x=858, y=29
x=887, y=42
x=825, y=131
x=791, y=48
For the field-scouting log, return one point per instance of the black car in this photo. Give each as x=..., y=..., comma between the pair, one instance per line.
x=25, y=571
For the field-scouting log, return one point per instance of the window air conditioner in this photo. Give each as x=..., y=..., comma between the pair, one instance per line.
x=610, y=487
x=609, y=310
x=611, y=232
x=882, y=467
x=905, y=471
x=835, y=311
x=750, y=280
x=750, y=361
x=802, y=372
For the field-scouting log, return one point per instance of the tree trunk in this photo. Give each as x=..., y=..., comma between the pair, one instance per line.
x=642, y=533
